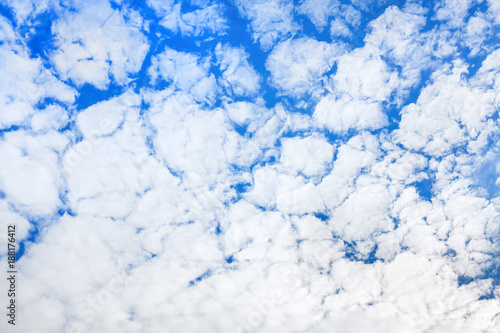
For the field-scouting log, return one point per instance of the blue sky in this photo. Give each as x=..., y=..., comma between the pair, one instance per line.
x=252, y=166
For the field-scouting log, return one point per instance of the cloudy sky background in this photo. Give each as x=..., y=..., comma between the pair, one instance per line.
x=252, y=165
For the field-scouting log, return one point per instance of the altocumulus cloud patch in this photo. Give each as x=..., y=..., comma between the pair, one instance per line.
x=250, y=166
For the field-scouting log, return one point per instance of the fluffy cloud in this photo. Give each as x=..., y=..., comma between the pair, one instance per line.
x=363, y=75
x=110, y=46
x=237, y=74
x=296, y=185
x=447, y=114
x=341, y=115
x=183, y=131
x=19, y=100
x=246, y=113
x=397, y=36
x=270, y=20
x=297, y=66
x=339, y=28
x=186, y=72
x=477, y=31
x=23, y=9
x=26, y=81
x=318, y=11
x=196, y=23
x=310, y=155
x=31, y=178
x=453, y=12
x=494, y=8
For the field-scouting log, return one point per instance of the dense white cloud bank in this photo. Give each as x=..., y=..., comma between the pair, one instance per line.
x=252, y=166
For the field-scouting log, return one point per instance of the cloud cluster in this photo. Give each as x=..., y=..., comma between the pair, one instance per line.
x=166, y=174
x=208, y=20
x=298, y=66
x=269, y=20
x=94, y=43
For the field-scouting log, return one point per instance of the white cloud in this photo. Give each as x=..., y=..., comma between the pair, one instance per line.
x=351, y=15
x=26, y=82
x=186, y=72
x=318, y=11
x=89, y=260
x=24, y=9
x=448, y=113
x=339, y=28
x=103, y=118
x=111, y=165
x=14, y=218
x=364, y=75
x=297, y=66
x=7, y=33
x=185, y=131
x=344, y=114
x=197, y=143
x=205, y=198
x=96, y=43
x=363, y=213
x=488, y=73
x=253, y=115
x=287, y=193
x=453, y=11
x=270, y=20
x=309, y=155
x=478, y=29
x=52, y=117
x=31, y=178
x=494, y=8
x=196, y=23
x=238, y=76
x=396, y=35
x=161, y=7
x=359, y=153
